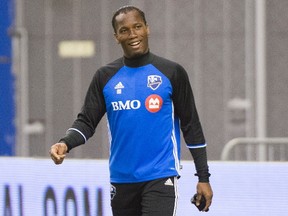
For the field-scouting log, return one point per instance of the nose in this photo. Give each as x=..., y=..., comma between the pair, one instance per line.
x=132, y=33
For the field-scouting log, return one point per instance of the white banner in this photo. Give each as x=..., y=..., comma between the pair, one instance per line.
x=36, y=187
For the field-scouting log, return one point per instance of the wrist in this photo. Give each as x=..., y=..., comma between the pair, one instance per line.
x=203, y=176
x=66, y=146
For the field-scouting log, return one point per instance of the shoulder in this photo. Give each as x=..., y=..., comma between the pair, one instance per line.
x=161, y=60
x=112, y=66
x=106, y=72
x=168, y=67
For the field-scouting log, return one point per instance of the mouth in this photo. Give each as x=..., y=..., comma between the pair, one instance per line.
x=135, y=43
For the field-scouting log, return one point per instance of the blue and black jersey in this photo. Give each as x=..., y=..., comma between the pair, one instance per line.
x=147, y=100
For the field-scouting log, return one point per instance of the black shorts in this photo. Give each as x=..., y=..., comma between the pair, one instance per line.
x=152, y=198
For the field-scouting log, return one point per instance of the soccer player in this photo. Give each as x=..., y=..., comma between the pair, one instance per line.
x=148, y=99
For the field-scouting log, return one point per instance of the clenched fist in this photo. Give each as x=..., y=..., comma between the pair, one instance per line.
x=58, y=152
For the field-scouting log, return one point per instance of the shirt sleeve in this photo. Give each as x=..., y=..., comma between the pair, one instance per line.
x=185, y=109
x=90, y=115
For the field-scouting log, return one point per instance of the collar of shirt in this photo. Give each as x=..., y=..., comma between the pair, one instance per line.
x=139, y=60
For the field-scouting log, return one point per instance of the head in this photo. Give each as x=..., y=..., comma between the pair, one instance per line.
x=131, y=31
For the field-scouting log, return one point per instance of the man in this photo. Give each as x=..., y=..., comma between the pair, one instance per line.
x=147, y=100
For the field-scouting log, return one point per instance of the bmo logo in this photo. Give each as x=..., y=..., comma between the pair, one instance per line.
x=127, y=105
x=153, y=103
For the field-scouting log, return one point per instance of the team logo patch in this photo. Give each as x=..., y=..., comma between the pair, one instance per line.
x=154, y=81
x=112, y=191
x=153, y=103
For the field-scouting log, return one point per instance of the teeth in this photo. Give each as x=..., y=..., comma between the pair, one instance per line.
x=135, y=43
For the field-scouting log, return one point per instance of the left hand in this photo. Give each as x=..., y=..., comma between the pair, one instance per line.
x=204, y=189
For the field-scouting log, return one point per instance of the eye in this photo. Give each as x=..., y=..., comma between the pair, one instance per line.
x=138, y=26
x=123, y=30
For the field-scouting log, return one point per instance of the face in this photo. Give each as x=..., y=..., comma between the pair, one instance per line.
x=132, y=34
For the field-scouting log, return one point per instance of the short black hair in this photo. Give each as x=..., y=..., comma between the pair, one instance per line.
x=125, y=9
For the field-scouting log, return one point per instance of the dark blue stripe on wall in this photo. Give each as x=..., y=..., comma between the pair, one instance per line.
x=7, y=90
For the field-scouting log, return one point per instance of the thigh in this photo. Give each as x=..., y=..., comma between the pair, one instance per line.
x=126, y=199
x=160, y=197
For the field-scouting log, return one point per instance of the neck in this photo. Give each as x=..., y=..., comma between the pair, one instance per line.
x=138, y=61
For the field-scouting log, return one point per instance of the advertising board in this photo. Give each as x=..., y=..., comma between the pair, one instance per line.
x=31, y=186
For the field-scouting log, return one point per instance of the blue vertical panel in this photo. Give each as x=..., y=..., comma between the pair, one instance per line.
x=7, y=91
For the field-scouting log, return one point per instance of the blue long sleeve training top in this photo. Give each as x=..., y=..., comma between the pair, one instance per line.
x=147, y=100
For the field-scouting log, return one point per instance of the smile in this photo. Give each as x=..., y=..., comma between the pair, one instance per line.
x=136, y=43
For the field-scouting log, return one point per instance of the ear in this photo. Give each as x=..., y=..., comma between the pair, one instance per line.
x=148, y=30
x=116, y=38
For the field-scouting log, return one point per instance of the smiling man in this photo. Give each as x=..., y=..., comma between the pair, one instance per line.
x=131, y=32
x=148, y=99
